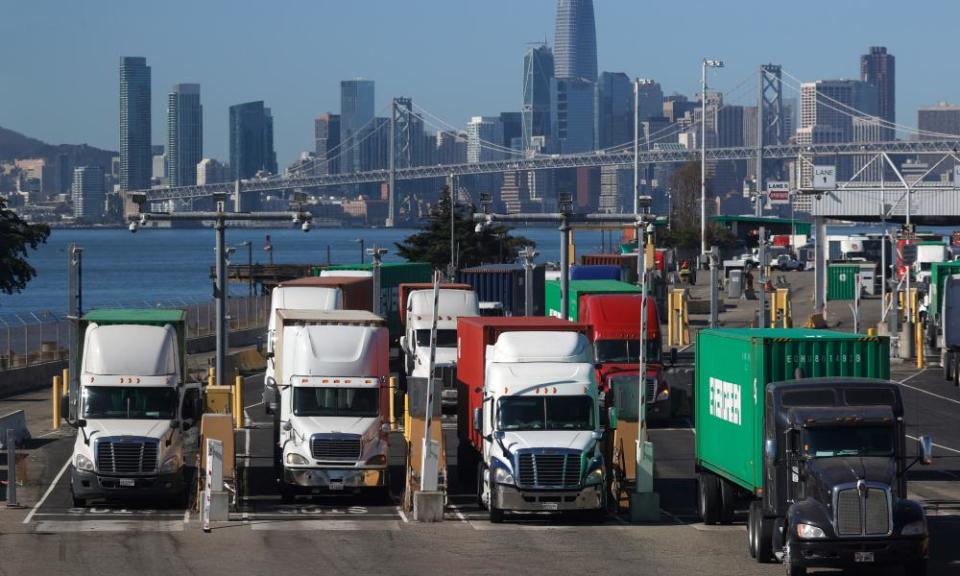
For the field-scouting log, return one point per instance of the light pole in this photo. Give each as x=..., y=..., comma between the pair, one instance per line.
x=363, y=250
x=703, y=151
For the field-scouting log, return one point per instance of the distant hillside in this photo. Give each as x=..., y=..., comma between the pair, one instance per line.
x=14, y=145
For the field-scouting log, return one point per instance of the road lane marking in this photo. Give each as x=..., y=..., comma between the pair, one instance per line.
x=955, y=401
x=335, y=525
x=402, y=515
x=186, y=516
x=458, y=513
x=252, y=405
x=47, y=493
x=912, y=376
x=109, y=526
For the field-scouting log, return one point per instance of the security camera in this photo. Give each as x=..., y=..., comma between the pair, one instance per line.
x=305, y=226
x=133, y=227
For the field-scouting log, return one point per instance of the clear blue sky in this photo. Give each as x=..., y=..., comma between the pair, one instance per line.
x=457, y=58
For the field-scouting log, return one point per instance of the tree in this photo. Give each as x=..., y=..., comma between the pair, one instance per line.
x=493, y=244
x=685, y=212
x=16, y=237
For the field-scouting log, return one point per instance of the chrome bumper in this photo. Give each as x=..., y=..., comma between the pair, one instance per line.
x=510, y=498
x=336, y=478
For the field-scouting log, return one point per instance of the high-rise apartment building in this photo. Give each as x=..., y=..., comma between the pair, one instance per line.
x=481, y=132
x=538, y=74
x=88, y=193
x=210, y=171
x=184, y=134
x=943, y=118
x=573, y=115
x=613, y=123
x=575, y=43
x=878, y=68
x=451, y=148
x=251, y=140
x=135, y=141
x=868, y=129
x=829, y=106
x=650, y=99
x=512, y=126
x=326, y=135
x=356, y=117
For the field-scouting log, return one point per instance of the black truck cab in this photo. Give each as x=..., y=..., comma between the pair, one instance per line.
x=835, y=490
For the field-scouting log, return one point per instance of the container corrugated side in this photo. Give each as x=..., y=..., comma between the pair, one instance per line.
x=842, y=281
x=392, y=274
x=596, y=272
x=939, y=271
x=505, y=283
x=732, y=370
x=577, y=289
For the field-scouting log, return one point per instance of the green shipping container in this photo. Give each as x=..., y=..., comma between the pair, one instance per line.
x=842, y=281
x=732, y=370
x=392, y=275
x=577, y=289
x=939, y=271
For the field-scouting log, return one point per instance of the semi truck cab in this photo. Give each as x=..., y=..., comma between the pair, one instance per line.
x=540, y=425
x=331, y=406
x=137, y=419
x=415, y=343
x=839, y=479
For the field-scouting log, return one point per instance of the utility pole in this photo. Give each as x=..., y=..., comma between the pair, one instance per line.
x=703, y=153
x=376, y=253
x=74, y=313
x=528, y=254
x=391, y=179
x=762, y=274
x=451, y=268
x=636, y=148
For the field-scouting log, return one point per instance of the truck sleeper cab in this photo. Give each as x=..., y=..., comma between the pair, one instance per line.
x=136, y=418
x=331, y=408
x=539, y=422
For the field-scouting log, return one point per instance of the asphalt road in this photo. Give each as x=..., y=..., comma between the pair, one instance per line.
x=353, y=534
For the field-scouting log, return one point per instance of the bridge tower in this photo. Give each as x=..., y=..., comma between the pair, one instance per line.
x=771, y=123
x=402, y=144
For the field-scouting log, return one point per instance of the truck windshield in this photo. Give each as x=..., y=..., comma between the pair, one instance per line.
x=104, y=402
x=625, y=351
x=445, y=338
x=829, y=441
x=358, y=402
x=546, y=413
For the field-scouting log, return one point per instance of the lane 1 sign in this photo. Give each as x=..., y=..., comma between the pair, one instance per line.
x=824, y=177
x=778, y=192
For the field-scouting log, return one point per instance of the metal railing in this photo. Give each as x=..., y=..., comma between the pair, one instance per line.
x=31, y=338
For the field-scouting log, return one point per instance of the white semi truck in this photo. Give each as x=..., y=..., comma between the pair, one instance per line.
x=415, y=343
x=330, y=401
x=540, y=426
x=136, y=415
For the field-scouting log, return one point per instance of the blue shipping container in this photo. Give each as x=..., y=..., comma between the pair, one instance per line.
x=595, y=272
x=504, y=283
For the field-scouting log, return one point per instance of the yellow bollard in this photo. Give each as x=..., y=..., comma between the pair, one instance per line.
x=211, y=377
x=238, y=402
x=65, y=381
x=918, y=341
x=391, y=394
x=871, y=332
x=56, y=403
x=406, y=417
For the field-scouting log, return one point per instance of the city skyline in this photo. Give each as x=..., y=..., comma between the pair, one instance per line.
x=297, y=102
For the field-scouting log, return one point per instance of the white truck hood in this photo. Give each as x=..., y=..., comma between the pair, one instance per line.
x=308, y=425
x=120, y=427
x=571, y=440
x=444, y=357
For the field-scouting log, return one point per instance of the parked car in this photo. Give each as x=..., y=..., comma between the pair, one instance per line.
x=785, y=263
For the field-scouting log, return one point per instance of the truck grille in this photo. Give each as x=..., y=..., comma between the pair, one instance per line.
x=537, y=470
x=126, y=457
x=863, y=516
x=651, y=391
x=339, y=448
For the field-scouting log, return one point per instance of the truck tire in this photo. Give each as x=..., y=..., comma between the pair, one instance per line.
x=793, y=567
x=752, y=529
x=480, y=471
x=764, y=536
x=916, y=568
x=287, y=494
x=946, y=360
x=496, y=514
x=79, y=502
x=708, y=498
x=728, y=501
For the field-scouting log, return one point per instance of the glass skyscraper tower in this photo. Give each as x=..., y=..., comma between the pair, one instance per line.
x=184, y=134
x=575, y=45
x=136, y=155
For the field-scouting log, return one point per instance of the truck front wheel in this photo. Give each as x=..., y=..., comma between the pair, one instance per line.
x=709, y=498
x=496, y=514
x=916, y=568
x=793, y=567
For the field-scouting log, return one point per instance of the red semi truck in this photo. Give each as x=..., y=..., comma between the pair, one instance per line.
x=614, y=320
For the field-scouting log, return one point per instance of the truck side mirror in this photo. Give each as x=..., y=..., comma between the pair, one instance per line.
x=403, y=344
x=477, y=422
x=770, y=450
x=65, y=406
x=287, y=426
x=612, y=418
x=926, y=450
x=673, y=356
x=81, y=423
x=270, y=394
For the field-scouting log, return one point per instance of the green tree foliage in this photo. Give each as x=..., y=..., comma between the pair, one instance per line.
x=16, y=237
x=685, y=212
x=493, y=244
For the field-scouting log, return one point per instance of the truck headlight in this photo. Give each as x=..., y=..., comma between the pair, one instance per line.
x=84, y=463
x=809, y=532
x=171, y=464
x=501, y=474
x=594, y=473
x=914, y=528
x=295, y=459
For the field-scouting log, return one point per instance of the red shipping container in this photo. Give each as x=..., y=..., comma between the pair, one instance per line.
x=474, y=334
x=406, y=289
x=357, y=291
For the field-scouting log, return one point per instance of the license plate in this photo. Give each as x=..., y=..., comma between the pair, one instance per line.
x=549, y=505
x=863, y=556
x=128, y=482
x=336, y=485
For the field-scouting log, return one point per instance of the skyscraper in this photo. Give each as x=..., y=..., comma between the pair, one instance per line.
x=879, y=69
x=356, y=115
x=481, y=131
x=650, y=96
x=88, y=193
x=573, y=114
x=512, y=130
x=184, y=134
x=575, y=42
x=135, y=156
x=251, y=140
x=537, y=80
x=326, y=135
x=614, y=110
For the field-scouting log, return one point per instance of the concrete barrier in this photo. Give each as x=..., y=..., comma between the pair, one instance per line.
x=16, y=421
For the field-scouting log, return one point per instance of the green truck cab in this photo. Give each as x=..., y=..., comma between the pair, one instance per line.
x=821, y=461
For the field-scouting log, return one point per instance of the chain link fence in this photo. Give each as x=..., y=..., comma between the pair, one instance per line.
x=30, y=338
